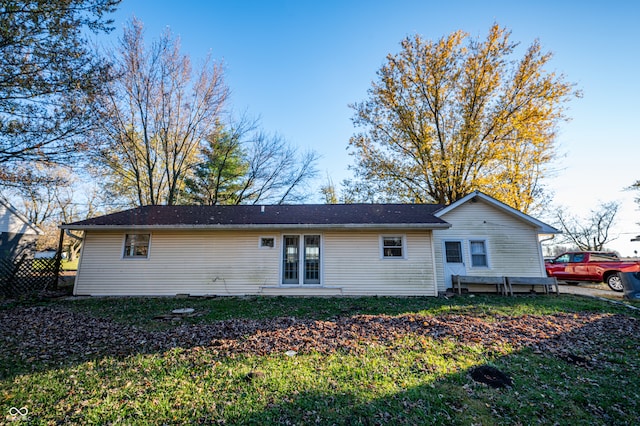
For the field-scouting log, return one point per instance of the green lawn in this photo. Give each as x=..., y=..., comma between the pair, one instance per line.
x=69, y=265
x=373, y=360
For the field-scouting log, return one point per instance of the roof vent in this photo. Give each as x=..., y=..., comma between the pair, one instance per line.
x=261, y=209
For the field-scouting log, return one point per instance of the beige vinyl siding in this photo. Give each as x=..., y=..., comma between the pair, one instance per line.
x=512, y=244
x=353, y=262
x=179, y=262
x=232, y=263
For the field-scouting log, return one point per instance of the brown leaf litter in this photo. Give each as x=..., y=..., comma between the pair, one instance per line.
x=51, y=335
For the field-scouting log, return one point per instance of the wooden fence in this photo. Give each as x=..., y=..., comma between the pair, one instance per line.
x=27, y=276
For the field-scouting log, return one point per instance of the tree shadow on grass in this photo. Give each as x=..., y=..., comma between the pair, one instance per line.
x=547, y=389
x=573, y=377
x=43, y=337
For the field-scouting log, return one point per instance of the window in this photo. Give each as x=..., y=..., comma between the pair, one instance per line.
x=312, y=259
x=136, y=245
x=603, y=257
x=478, y=253
x=290, y=259
x=453, y=251
x=267, y=242
x=392, y=247
x=578, y=257
x=301, y=261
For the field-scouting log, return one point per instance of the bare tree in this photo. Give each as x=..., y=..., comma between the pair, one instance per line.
x=155, y=116
x=64, y=199
x=71, y=208
x=244, y=165
x=276, y=173
x=591, y=233
x=38, y=202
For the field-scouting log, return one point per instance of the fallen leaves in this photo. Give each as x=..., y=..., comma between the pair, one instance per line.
x=49, y=335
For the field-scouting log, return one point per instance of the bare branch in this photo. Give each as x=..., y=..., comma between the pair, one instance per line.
x=155, y=117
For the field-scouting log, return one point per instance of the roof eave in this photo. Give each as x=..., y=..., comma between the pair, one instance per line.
x=258, y=226
x=549, y=230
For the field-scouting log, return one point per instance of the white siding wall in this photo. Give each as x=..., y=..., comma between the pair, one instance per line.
x=231, y=263
x=196, y=263
x=11, y=223
x=353, y=262
x=512, y=245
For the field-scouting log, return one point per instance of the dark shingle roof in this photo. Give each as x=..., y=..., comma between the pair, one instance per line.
x=285, y=216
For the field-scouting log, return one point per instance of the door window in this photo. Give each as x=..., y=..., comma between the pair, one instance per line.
x=291, y=259
x=578, y=257
x=312, y=259
x=453, y=251
x=301, y=259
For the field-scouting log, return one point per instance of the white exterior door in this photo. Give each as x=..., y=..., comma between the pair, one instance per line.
x=453, y=259
x=301, y=259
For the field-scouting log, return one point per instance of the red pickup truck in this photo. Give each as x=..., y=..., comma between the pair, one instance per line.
x=592, y=266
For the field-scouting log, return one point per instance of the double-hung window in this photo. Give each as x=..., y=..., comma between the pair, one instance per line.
x=478, y=253
x=392, y=247
x=136, y=246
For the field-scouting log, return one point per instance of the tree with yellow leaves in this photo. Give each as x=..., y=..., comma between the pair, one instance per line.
x=449, y=117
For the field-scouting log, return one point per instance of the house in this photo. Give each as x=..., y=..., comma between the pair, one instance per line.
x=343, y=249
x=488, y=238
x=17, y=234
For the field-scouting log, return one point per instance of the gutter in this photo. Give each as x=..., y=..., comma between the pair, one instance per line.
x=363, y=226
x=547, y=239
x=68, y=232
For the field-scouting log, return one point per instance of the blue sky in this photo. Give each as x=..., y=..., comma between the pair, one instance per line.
x=299, y=64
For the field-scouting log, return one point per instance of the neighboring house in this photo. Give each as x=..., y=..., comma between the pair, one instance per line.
x=329, y=249
x=17, y=234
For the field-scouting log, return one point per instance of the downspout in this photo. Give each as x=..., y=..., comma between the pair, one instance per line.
x=68, y=232
x=58, y=261
x=542, y=265
x=548, y=239
x=74, y=236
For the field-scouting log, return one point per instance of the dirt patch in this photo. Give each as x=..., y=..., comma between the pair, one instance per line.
x=590, y=289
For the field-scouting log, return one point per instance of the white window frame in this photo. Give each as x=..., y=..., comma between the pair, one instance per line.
x=124, y=246
x=266, y=247
x=486, y=253
x=403, y=247
x=301, y=270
